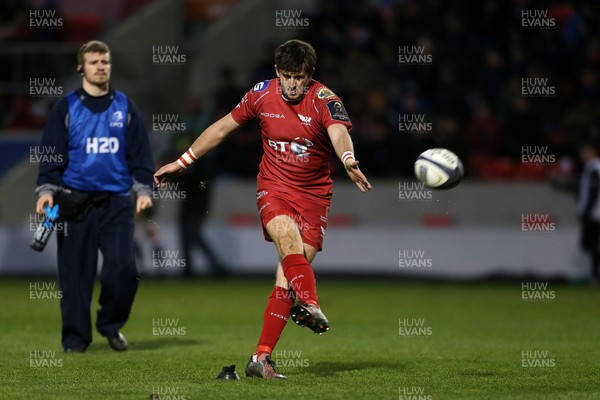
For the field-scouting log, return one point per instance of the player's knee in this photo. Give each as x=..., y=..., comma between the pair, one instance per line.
x=285, y=235
x=287, y=247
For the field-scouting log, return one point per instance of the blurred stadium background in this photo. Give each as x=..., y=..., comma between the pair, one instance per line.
x=511, y=92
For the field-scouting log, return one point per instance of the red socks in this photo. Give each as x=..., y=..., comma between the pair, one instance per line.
x=276, y=315
x=301, y=278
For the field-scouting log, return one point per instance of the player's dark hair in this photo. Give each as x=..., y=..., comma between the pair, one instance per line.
x=93, y=46
x=296, y=56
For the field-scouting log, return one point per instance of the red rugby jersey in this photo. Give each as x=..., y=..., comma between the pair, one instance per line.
x=296, y=146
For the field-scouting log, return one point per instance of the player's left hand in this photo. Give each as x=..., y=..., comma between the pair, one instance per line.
x=142, y=203
x=357, y=176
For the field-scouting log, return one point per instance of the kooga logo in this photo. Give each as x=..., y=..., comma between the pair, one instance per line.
x=271, y=115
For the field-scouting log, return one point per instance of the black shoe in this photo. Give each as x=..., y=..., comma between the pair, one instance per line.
x=310, y=316
x=76, y=349
x=263, y=369
x=228, y=373
x=118, y=343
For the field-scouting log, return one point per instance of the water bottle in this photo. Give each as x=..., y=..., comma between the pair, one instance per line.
x=44, y=230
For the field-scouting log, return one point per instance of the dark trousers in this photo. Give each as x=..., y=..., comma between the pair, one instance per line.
x=110, y=230
x=590, y=242
x=191, y=237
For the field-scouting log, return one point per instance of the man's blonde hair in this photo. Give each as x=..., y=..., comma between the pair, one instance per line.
x=93, y=46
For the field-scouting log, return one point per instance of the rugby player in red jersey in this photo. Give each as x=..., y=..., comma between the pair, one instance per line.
x=301, y=120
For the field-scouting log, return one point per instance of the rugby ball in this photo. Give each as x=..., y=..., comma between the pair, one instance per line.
x=439, y=169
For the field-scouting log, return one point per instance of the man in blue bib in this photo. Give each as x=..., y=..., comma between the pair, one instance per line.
x=105, y=154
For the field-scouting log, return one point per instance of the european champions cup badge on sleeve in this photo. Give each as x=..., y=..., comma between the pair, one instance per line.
x=116, y=121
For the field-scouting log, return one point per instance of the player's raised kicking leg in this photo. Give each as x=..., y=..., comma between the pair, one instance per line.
x=293, y=271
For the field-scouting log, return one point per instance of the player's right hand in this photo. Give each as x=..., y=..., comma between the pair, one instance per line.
x=43, y=200
x=166, y=172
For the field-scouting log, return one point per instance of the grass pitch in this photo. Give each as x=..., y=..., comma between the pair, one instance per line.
x=388, y=340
